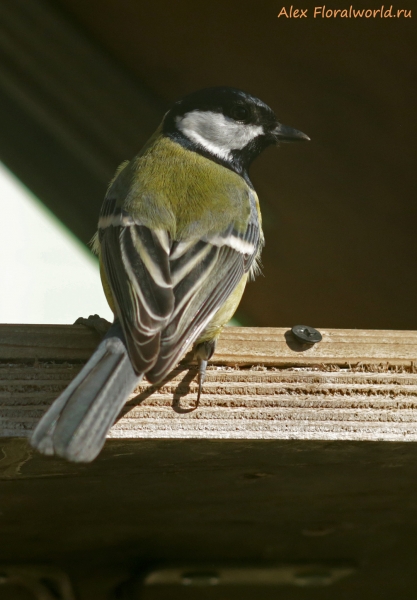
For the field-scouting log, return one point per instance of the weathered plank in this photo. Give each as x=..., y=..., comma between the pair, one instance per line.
x=240, y=346
x=46, y=342
x=262, y=384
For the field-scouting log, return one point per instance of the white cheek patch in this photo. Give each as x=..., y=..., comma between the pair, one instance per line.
x=217, y=133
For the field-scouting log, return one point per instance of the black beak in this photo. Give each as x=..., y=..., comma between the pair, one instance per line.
x=283, y=133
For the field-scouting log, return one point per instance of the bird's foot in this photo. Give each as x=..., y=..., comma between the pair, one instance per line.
x=96, y=323
x=203, y=352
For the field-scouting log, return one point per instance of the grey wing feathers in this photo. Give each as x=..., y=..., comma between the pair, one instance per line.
x=210, y=285
x=172, y=289
x=144, y=298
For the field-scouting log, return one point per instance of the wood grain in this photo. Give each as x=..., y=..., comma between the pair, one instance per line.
x=238, y=346
x=261, y=384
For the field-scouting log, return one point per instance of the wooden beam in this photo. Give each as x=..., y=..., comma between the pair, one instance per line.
x=267, y=475
x=261, y=384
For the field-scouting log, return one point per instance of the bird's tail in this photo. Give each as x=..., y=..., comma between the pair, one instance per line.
x=76, y=424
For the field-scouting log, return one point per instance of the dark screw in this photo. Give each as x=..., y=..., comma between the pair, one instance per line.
x=306, y=335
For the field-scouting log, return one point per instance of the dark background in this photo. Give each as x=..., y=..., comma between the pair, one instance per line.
x=84, y=83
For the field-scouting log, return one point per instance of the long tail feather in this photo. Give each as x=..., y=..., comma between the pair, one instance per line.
x=76, y=424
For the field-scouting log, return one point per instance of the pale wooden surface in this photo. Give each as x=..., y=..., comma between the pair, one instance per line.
x=242, y=346
x=354, y=385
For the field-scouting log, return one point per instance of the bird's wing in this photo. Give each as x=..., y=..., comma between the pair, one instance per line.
x=136, y=263
x=166, y=292
x=203, y=277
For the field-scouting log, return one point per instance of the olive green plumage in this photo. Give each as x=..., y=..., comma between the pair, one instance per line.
x=169, y=187
x=192, y=199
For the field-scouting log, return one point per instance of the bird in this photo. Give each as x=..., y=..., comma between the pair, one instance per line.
x=179, y=235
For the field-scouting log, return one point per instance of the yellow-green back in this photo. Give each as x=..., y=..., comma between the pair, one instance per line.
x=170, y=187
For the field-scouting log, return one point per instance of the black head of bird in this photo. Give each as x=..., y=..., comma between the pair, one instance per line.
x=227, y=125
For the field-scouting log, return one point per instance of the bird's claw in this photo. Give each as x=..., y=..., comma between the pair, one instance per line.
x=96, y=323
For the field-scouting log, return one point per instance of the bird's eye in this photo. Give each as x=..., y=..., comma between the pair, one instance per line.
x=239, y=113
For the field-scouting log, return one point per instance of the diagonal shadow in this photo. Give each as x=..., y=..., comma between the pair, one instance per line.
x=181, y=390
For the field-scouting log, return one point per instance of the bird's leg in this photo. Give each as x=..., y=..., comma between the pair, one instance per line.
x=203, y=352
x=201, y=377
x=96, y=323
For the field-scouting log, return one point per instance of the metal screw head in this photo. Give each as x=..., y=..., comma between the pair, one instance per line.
x=306, y=334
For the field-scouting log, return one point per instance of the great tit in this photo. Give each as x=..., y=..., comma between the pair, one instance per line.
x=178, y=236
